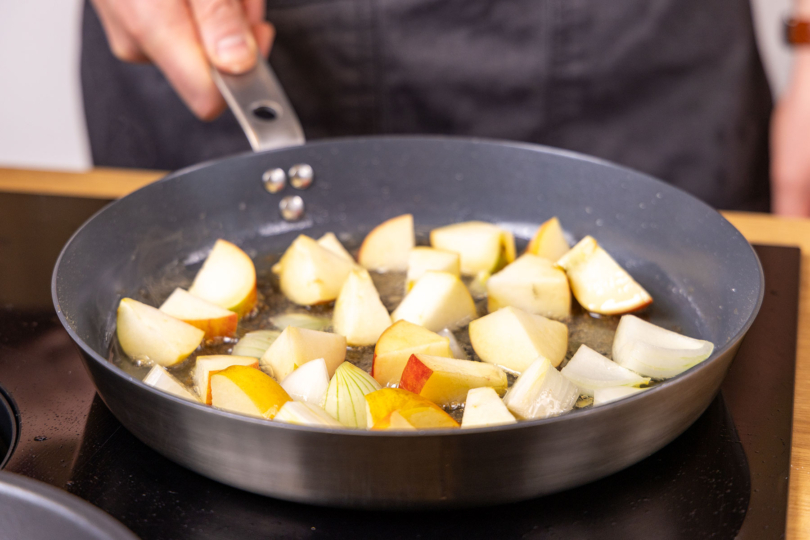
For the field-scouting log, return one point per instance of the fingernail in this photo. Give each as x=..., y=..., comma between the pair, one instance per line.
x=234, y=51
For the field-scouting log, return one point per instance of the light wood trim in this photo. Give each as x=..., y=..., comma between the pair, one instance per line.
x=757, y=228
x=99, y=183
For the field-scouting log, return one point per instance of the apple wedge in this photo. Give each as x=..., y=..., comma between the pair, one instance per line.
x=206, y=366
x=533, y=284
x=416, y=418
x=161, y=379
x=549, y=241
x=210, y=318
x=599, y=284
x=359, y=313
x=438, y=300
x=311, y=274
x=654, y=351
x=331, y=242
x=446, y=381
x=308, y=383
x=227, y=278
x=305, y=414
x=247, y=390
x=485, y=408
x=541, y=391
x=589, y=370
x=301, y=320
x=481, y=246
x=601, y=396
x=146, y=334
x=297, y=346
x=345, y=397
x=396, y=345
x=513, y=339
x=423, y=259
x=413, y=410
x=388, y=245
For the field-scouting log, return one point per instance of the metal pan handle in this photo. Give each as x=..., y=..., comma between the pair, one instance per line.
x=260, y=105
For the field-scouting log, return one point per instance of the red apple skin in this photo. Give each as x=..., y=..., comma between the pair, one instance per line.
x=213, y=328
x=415, y=375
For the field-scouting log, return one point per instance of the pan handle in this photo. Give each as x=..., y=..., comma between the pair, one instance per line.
x=260, y=105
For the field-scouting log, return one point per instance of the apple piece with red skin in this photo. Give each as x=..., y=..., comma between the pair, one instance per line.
x=446, y=381
x=599, y=283
x=398, y=343
x=227, y=278
x=297, y=346
x=438, y=300
x=206, y=366
x=147, y=334
x=359, y=313
x=388, y=245
x=210, y=318
x=549, y=241
x=483, y=247
x=533, y=284
x=161, y=379
x=423, y=259
x=249, y=391
x=311, y=274
x=513, y=339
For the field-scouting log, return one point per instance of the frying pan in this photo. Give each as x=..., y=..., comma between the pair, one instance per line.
x=704, y=276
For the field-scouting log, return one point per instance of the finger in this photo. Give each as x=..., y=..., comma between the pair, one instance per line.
x=168, y=35
x=225, y=34
x=121, y=43
x=791, y=200
x=254, y=11
x=264, y=34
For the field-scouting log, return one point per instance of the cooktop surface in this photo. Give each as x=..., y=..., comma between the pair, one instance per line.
x=725, y=477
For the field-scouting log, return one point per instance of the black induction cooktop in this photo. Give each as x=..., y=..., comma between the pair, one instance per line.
x=725, y=477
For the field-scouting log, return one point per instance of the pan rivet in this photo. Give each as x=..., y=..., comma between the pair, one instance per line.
x=301, y=176
x=274, y=180
x=291, y=207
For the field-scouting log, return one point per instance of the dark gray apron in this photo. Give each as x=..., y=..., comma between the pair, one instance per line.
x=674, y=88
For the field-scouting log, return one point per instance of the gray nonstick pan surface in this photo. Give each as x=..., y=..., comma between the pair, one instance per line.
x=703, y=275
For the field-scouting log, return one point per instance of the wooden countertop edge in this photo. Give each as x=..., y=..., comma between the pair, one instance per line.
x=108, y=183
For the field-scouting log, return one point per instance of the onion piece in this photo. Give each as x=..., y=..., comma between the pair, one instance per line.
x=590, y=370
x=655, y=352
x=305, y=414
x=541, y=391
x=345, y=397
x=606, y=395
x=484, y=407
x=308, y=383
x=301, y=320
x=455, y=348
x=256, y=343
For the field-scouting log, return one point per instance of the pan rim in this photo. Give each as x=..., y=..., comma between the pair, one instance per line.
x=586, y=413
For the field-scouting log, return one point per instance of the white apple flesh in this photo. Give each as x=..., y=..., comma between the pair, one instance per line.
x=311, y=274
x=227, y=278
x=388, y=245
x=308, y=383
x=210, y=318
x=359, y=313
x=599, y=284
x=438, y=300
x=305, y=414
x=481, y=246
x=513, y=339
x=533, y=284
x=424, y=259
x=297, y=346
x=398, y=343
x=549, y=241
x=146, y=334
x=484, y=408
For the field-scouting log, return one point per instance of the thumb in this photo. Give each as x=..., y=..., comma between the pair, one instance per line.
x=225, y=34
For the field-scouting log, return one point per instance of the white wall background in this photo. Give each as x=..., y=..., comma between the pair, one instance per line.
x=41, y=117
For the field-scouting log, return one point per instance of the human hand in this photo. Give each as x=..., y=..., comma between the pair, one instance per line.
x=790, y=143
x=184, y=38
